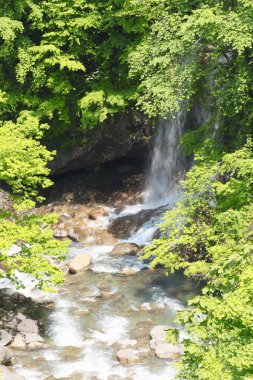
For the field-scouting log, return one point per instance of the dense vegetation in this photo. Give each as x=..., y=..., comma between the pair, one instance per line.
x=207, y=49
x=67, y=66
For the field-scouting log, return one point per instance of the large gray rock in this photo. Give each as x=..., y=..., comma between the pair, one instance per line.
x=6, y=355
x=122, y=249
x=80, y=262
x=5, y=338
x=18, y=342
x=168, y=351
x=28, y=326
x=107, y=143
x=8, y=374
x=33, y=339
x=158, y=333
x=124, y=226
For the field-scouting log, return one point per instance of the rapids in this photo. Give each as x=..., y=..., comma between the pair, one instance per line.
x=86, y=329
x=96, y=311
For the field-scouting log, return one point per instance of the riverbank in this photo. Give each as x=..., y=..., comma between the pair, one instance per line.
x=101, y=323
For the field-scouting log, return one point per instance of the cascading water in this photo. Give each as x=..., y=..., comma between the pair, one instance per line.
x=86, y=328
x=167, y=161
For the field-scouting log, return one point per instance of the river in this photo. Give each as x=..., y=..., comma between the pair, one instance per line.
x=103, y=309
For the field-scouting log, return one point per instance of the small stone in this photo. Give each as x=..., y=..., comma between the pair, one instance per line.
x=127, y=356
x=79, y=263
x=82, y=212
x=128, y=271
x=145, y=306
x=168, y=351
x=5, y=338
x=18, y=342
x=107, y=294
x=91, y=291
x=6, y=355
x=97, y=213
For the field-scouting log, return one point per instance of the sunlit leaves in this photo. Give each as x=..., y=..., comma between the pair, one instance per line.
x=209, y=235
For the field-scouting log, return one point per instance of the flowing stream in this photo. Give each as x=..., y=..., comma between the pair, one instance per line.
x=98, y=311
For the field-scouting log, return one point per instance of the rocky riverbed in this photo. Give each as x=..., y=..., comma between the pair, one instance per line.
x=109, y=319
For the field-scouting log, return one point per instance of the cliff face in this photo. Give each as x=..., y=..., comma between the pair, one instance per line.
x=127, y=136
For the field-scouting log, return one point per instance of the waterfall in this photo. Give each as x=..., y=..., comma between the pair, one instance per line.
x=167, y=161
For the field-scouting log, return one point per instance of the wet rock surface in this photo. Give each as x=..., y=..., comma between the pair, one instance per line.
x=103, y=186
x=80, y=263
x=99, y=325
x=168, y=351
x=6, y=355
x=163, y=349
x=5, y=338
x=123, y=227
x=122, y=249
x=127, y=356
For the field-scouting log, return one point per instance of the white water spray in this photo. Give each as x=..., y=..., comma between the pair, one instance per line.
x=167, y=161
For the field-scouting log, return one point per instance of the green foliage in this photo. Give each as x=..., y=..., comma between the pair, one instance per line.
x=58, y=57
x=23, y=161
x=37, y=247
x=209, y=235
x=205, y=46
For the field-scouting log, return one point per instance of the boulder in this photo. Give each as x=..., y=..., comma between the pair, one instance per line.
x=20, y=317
x=158, y=333
x=82, y=212
x=5, y=338
x=81, y=234
x=80, y=262
x=168, y=351
x=6, y=355
x=73, y=235
x=124, y=226
x=64, y=211
x=153, y=344
x=33, y=340
x=9, y=374
x=97, y=213
x=122, y=249
x=28, y=326
x=127, y=356
x=107, y=143
x=105, y=238
x=18, y=342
